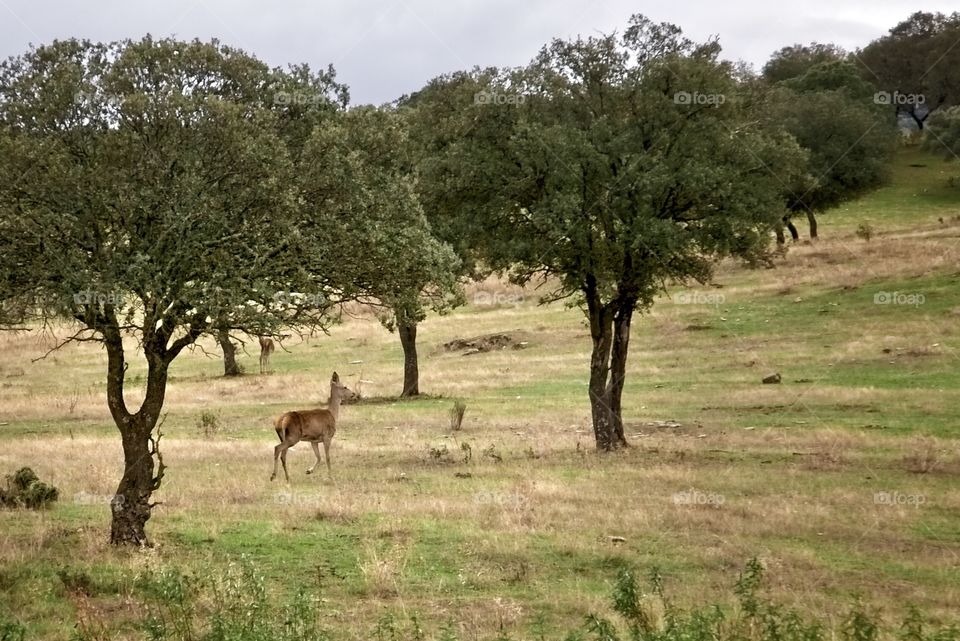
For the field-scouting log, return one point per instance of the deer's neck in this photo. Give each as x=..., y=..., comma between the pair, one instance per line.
x=334, y=405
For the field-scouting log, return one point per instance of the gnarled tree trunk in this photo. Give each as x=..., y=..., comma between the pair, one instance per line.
x=131, y=504
x=230, y=367
x=411, y=368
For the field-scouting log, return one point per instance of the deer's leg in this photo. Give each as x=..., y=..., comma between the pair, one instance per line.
x=283, y=459
x=316, y=452
x=326, y=453
x=276, y=459
x=261, y=362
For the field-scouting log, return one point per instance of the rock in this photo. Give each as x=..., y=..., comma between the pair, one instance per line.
x=772, y=379
x=487, y=343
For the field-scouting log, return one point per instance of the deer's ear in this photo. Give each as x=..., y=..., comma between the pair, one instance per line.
x=335, y=378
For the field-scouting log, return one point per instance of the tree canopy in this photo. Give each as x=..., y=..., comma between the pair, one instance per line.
x=916, y=65
x=612, y=165
x=360, y=189
x=796, y=60
x=830, y=112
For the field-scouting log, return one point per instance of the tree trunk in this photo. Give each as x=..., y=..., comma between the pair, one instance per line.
x=917, y=119
x=131, y=504
x=601, y=333
x=230, y=367
x=794, y=234
x=813, y=223
x=411, y=369
x=618, y=369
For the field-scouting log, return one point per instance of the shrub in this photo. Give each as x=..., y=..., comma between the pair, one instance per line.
x=10, y=631
x=24, y=489
x=865, y=231
x=208, y=424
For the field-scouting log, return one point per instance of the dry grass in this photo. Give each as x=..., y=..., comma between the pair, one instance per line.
x=790, y=473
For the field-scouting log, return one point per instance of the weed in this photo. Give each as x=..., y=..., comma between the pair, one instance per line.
x=456, y=415
x=209, y=423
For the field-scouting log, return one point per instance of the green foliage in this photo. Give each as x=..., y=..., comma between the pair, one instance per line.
x=747, y=584
x=830, y=112
x=25, y=490
x=609, y=165
x=12, y=631
x=942, y=136
x=833, y=76
x=159, y=156
x=356, y=176
x=859, y=626
x=237, y=607
x=235, y=604
x=796, y=60
x=918, y=61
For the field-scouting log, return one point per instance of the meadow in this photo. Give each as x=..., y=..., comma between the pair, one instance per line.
x=841, y=480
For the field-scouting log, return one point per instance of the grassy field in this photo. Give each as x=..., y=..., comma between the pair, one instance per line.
x=842, y=480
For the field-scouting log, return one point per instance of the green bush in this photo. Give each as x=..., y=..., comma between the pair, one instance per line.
x=24, y=489
x=10, y=631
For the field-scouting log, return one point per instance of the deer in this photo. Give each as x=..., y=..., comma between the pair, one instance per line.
x=315, y=426
x=266, y=348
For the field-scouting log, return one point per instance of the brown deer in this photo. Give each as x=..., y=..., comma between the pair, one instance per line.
x=315, y=426
x=266, y=348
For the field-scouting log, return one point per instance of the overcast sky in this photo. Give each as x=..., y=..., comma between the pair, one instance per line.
x=383, y=49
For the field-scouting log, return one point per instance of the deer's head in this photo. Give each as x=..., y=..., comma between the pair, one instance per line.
x=345, y=393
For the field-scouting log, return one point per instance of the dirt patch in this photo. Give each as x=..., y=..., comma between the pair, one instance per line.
x=486, y=343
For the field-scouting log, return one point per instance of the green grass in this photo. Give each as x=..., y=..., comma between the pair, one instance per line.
x=500, y=543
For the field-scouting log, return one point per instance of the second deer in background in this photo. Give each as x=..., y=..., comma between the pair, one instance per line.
x=266, y=349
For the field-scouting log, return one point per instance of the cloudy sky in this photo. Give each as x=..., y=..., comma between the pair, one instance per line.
x=383, y=49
